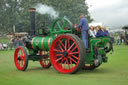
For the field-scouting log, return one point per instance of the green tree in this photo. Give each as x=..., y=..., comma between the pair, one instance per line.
x=15, y=12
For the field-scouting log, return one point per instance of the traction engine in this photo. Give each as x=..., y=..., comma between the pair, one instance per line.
x=62, y=48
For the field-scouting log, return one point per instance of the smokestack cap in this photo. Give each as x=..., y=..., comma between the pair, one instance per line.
x=32, y=9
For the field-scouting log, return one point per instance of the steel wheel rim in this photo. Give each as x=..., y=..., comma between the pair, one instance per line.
x=20, y=58
x=62, y=63
x=46, y=61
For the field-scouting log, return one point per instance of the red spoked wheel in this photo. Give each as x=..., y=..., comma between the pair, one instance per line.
x=66, y=54
x=45, y=61
x=21, y=58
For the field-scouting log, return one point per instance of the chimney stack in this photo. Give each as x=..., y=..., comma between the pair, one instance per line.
x=32, y=19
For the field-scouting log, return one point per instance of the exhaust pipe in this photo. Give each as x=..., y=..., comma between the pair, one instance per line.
x=32, y=20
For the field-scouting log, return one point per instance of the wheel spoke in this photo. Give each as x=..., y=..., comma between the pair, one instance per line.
x=64, y=24
x=59, y=54
x=61, y=43
x=19, y=53
x=74, y=53
x=22, y=53
x=68, y=43
x=71, y=63
x=59, y=59
x=65, y=45
x=68, y=63
x=73, y=60
x=64, y=64
x=57, y=50
x=74, y=57
x=22, y=63
x=19, y=62
x=71, y=46
x=21, y=57
x=62, y=61
x=44, y=62
x=58, y=24
x=61, y=48
x=73, y=49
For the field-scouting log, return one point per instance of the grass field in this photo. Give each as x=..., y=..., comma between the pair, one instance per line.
x=4, y=40
x=115, y=72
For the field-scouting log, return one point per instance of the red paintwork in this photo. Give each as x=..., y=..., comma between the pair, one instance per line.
x=64, y=43
x=45, y=62
x=20, y=64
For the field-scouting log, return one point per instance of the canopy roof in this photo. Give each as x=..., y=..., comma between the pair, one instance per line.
x=125, y=27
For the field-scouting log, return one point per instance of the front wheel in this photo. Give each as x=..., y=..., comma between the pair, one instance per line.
x=67, y=54
x=21, y=58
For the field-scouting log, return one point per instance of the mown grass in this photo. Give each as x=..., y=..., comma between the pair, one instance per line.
x=4, y=40
x=114, y=72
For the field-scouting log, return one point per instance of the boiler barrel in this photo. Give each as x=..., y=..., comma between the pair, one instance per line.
x=42, y=43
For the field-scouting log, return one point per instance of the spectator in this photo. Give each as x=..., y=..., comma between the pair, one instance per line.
x=11, y=43
x=92, y=31
x=99, y=33
x=16, y=42
x=21, y=43
x=1, y=47
x=112, y=40
x=105, y=31
x=118, y=40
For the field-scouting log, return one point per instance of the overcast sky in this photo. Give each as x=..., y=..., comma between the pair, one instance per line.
x=113, y=13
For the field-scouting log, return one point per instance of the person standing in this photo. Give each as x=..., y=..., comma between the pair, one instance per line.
x=21, y=43
x=11, y=43
x=84, y=29
x=16, y=42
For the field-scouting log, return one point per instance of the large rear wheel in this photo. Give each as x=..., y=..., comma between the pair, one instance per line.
x=67, y=54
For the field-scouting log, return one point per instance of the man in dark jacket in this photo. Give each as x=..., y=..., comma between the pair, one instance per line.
x=84, y=29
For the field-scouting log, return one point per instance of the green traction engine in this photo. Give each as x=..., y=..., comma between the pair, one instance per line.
x=61, y=47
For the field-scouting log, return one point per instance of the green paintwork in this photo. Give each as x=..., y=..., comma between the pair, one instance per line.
x=42, y=43
x=98, y=42
x=58, y=27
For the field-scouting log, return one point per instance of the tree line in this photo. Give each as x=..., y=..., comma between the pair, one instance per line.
x=15, y=13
